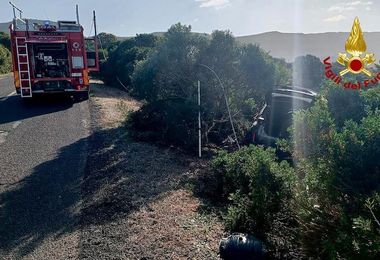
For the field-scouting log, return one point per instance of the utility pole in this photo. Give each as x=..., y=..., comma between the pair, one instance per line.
x=95, y=29
x=199, y=121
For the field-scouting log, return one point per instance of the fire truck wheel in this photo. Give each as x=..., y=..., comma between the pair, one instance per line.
x=86, y=95
x=27, y=101
x=81, y=96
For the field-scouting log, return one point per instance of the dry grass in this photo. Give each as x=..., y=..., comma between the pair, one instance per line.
x=137, y=204
x=114, y=104
x=173, y=229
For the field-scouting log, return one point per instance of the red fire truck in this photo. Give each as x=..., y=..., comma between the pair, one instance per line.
x=52, y=57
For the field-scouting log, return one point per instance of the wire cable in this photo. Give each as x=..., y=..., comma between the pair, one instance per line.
x=101, y=47
x=106, y=59
x=92, y=25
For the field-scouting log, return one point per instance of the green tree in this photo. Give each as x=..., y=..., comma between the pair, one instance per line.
x=166, y=79
x=282, y=72
x=107, y=43
x=259, y=70
x=108, y=40
x=123, y=60
x=169, y=70
x=222, y=55
x=308, y=72
x=182, y=57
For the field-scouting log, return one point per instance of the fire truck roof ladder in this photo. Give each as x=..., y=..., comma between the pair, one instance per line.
x=15, y=18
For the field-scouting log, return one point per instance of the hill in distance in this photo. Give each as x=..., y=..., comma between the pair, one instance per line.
x=290, y=45
x=322, y=45
x=4, y=27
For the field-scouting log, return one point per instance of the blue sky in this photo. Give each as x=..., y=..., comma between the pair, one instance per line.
x=242, y=17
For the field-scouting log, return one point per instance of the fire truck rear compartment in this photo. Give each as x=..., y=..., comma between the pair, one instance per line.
x=50, y=60
x=52, y=85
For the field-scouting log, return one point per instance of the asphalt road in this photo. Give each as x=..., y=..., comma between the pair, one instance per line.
x=43, y=151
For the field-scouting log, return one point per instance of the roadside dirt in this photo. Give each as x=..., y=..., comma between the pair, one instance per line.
x=6, y=75
x=137, y=198
x=113, y=105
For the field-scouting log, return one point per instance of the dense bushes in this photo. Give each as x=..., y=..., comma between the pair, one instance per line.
x=124, y=56
x=158, y=121
x=308, y=72
x=167, y=68
x=5, y=40
x=340, y=171
x=256, y=185
x=327, y=203
x=330, y=198
x=5, y=60
x=258, y=192
x=5, y=54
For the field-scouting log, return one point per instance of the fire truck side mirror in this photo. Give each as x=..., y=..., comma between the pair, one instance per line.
x=92, y=54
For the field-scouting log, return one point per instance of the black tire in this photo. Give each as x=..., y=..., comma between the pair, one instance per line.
x=82, y=96
x=27, y=101
x=85, y=95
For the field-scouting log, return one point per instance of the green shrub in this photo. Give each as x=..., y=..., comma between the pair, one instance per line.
x=5, y=60
x=166, y=121
x=337, y=162
x=123, y=57
x=181, y=58
x=5, y=40
x=308, y=72
x=256, y=185
x=345, y=105
x=328, y=205
x=372, y=98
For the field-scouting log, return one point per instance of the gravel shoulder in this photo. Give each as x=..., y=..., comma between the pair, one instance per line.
x=137, y=198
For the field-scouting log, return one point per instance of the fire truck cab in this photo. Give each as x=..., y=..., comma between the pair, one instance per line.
x=52, y=57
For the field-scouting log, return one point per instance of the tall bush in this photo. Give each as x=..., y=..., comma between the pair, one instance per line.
x=328, y=203
x=5, y=40
x=337, y=155
x=124, y=57
x=257, y=186
x=5, y=60
x=181, y=58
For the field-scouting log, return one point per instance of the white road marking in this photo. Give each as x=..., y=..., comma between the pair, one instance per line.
x=9, y=95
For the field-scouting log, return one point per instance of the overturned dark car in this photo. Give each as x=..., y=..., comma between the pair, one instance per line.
x=276, y=116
